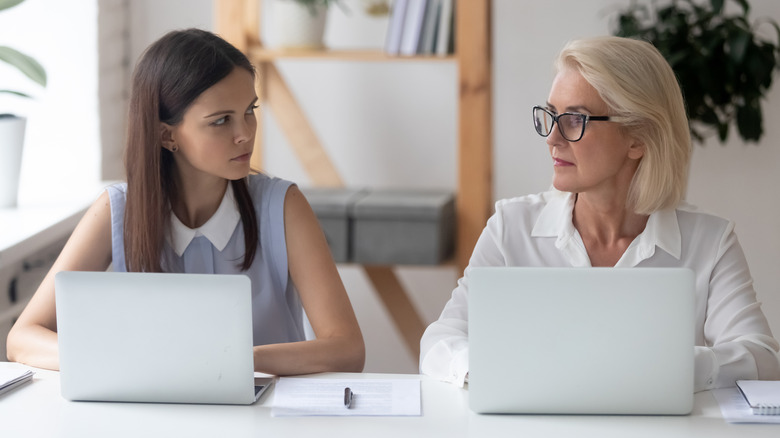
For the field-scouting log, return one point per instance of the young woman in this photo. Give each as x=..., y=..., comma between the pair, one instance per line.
x=618, y=137
x=191, y=205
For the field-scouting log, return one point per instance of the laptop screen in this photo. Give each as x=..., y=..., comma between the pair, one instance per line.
x=581, y=340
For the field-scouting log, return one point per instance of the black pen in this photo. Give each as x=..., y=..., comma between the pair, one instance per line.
x=348, y=397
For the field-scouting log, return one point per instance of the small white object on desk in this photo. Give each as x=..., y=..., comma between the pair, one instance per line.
x=763, y=396
x=327, y=397
x=12, y=378
x=735, y=409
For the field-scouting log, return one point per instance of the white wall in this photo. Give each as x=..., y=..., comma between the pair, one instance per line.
x=394, y=125
x=114, y=67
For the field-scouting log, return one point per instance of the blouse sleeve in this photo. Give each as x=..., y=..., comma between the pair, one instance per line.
x=739, y=342
x=444, y=347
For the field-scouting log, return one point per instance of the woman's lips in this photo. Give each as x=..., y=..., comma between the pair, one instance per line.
x=559, y=162
x=244, y=157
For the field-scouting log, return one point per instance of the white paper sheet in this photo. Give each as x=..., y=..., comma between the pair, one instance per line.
x=12, y=378
x=372, y=397
x=735, y=409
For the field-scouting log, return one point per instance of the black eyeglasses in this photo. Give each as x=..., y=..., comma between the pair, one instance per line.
x=570, y=125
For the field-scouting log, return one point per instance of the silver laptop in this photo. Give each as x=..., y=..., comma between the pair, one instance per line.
x=144, y=337
x=581, y=340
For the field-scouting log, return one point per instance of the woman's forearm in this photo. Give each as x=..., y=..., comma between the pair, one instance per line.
x=316, y=356
x=33, y=345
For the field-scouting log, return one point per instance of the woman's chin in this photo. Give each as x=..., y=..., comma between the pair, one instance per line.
x=563, y=186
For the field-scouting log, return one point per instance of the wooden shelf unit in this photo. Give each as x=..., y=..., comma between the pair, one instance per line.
x=238, y=21
x=262, y=54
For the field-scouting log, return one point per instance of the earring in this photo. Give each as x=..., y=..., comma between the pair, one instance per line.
x=174, y=148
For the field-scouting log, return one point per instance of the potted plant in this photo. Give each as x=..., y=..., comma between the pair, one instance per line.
x=724, y=67
x=12, y=126
x=300, y=24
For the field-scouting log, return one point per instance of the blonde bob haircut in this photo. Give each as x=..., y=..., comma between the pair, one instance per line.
x=640, y=88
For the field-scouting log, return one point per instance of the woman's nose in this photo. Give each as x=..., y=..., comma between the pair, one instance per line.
x=555, y=139
x=244, y=131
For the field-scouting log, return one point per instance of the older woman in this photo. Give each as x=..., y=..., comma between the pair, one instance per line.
x=618, y=136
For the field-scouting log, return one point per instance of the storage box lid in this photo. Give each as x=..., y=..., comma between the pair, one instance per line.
x=332, y=202
x=407, y=204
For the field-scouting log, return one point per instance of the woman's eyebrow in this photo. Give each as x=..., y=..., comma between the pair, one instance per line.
x=571, y=108
x=219, y=113
x=578, y=109
x=224, y=112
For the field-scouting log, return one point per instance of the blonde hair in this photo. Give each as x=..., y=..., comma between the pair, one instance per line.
x=639, y=86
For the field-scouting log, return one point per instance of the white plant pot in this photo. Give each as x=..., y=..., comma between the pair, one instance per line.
x=295, y=27
x=11, y=145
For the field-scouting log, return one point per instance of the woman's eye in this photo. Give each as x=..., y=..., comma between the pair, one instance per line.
x=251, y=109
x=574, y=121
x=220, y=121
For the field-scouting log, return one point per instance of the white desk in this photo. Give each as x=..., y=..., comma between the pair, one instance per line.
x=38, y=410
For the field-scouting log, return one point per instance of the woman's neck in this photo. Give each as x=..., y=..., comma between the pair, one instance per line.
x=195, y=202
x=607, y=227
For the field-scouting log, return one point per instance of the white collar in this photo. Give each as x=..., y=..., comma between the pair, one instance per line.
x=218, y=229
x=662, y=229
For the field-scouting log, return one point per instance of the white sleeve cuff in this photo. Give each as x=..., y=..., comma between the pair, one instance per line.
x=446, y=364
x=460, y=367
x=705, y=369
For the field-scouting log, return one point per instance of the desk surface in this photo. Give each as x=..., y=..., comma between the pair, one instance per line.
x=37, y=409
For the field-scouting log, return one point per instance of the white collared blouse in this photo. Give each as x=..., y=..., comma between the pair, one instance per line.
x=733, y=338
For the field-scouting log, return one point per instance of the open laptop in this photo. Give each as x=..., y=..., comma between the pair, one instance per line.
x=149, y=337
x=581, y=340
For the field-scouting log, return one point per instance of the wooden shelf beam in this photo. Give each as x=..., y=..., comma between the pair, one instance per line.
x=473, y=203
x=263, y=54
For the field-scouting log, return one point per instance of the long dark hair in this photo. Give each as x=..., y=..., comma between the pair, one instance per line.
x=170, y=75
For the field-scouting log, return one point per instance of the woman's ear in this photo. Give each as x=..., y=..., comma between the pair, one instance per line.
x=166, y=137
x=636, y=150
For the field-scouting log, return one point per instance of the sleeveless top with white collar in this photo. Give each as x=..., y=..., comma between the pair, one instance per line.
x=277, y=314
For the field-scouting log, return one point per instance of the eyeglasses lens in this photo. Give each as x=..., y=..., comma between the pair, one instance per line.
x=543, y=122
x=571, y=126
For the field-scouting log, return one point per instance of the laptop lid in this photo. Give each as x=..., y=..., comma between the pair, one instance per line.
x=152, y=337
x=581, y=340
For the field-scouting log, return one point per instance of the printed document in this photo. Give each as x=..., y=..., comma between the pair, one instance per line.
x=370, y=397
x=735, y=409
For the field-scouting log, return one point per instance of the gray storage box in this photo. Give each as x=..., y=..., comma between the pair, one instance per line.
x=403, y=227
x=332, y=207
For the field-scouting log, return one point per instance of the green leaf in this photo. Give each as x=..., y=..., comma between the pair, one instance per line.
x=696, y=135
x=628, y=26
x=737, y=44
x=14, y=92
x=676, y=58
x=777, y=28
x=709, y=117
x=723, y=132
x=749, y=122
x=717, y=6
x=27, y=65
x=760, y=63
x=5, y=4
x=723, y=67
x=745, y=6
